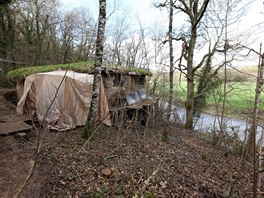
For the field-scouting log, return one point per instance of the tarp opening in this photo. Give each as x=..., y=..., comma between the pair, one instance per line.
x=61, y=99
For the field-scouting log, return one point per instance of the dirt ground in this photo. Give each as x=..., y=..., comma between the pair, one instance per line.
x=122, y=163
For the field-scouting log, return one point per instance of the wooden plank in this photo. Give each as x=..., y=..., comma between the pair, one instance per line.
x=116, y=109
x=14, y=118
x=13, y=127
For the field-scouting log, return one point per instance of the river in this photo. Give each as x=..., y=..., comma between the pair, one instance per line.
x=210, y=123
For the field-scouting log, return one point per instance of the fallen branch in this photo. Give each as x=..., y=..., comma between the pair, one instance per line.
x=146, y=183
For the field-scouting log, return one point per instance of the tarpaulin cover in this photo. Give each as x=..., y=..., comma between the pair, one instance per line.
x=61, y=99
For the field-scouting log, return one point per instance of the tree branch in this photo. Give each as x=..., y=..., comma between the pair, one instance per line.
x=201, y=13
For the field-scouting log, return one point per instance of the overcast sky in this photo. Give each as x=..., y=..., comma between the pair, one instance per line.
x=143, y=8
x=148, y=14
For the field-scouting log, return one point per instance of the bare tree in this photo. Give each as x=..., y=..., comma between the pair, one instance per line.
x=255, y=115
x=160, y=56
x=205, y=30
x=86, y=37
x=6, y=30
x=195, y=11
x=132, y=47
x=143, y=56
x=170, y=5
x=90, y=124
x=34, y=30
x=38, y=32
x=119, y=31
x=68, y=28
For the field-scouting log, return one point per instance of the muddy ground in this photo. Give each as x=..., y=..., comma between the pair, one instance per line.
x=122, y=162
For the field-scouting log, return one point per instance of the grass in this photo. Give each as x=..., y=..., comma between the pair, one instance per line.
x=83, y=67
x=26, y=71
x=241, y=95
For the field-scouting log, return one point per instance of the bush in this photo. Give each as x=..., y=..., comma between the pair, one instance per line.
x=234, y=76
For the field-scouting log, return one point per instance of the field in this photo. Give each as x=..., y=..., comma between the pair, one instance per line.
x=240, y=95
x=240, y=91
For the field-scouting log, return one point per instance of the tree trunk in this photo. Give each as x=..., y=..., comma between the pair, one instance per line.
x=259, y=84
x=90, y=124
x=222, y=127
x=260, y=158
x=6, y=33
x=171, y=60
x=3, y=34
x=190, y=81
x=252, y=134
x=189, y=102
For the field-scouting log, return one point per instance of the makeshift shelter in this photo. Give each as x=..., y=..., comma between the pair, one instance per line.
x=123, y=87
x=61, y=99
x=118, y=84
x=127, y=97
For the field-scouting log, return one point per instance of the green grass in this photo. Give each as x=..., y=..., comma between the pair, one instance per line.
x=180, y=90
x=240, y=96
x=26, y=71
x=83, y=67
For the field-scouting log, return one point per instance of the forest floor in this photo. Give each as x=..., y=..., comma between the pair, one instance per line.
x=123, y=162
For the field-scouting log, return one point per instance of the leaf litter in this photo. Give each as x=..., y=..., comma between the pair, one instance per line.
x=124, y=163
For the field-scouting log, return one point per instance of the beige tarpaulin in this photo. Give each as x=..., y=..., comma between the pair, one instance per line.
x=62, y=98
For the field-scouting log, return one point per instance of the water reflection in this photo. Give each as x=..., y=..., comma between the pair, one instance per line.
x=211, y=123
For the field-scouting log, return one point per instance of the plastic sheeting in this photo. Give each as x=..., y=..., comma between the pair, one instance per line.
x=61, y=99
x=136, y=97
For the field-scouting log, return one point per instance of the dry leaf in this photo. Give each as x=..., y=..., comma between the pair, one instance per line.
x=76, y=195
x=163, y=185
x=106, y=171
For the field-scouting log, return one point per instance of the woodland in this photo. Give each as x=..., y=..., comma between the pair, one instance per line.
x=192, y=63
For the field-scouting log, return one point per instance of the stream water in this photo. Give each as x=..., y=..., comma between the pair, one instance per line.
x=210, y=123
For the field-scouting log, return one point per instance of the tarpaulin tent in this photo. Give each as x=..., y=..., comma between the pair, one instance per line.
x=61, y=99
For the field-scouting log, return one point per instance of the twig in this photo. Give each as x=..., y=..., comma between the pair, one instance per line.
x=31, y=171
x=10, y=61
x=91, y=136
x=39, y=143
x=146, y=183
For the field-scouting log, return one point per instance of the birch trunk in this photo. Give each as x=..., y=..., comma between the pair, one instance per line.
x=260, y=158
x=90, y=124
x=171, y=60
x=252, y=135
x=222, y=133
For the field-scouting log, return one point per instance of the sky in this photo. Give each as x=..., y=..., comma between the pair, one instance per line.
x=143, y=8
x=252, y=22
x=146, y=10
x=135, y=5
